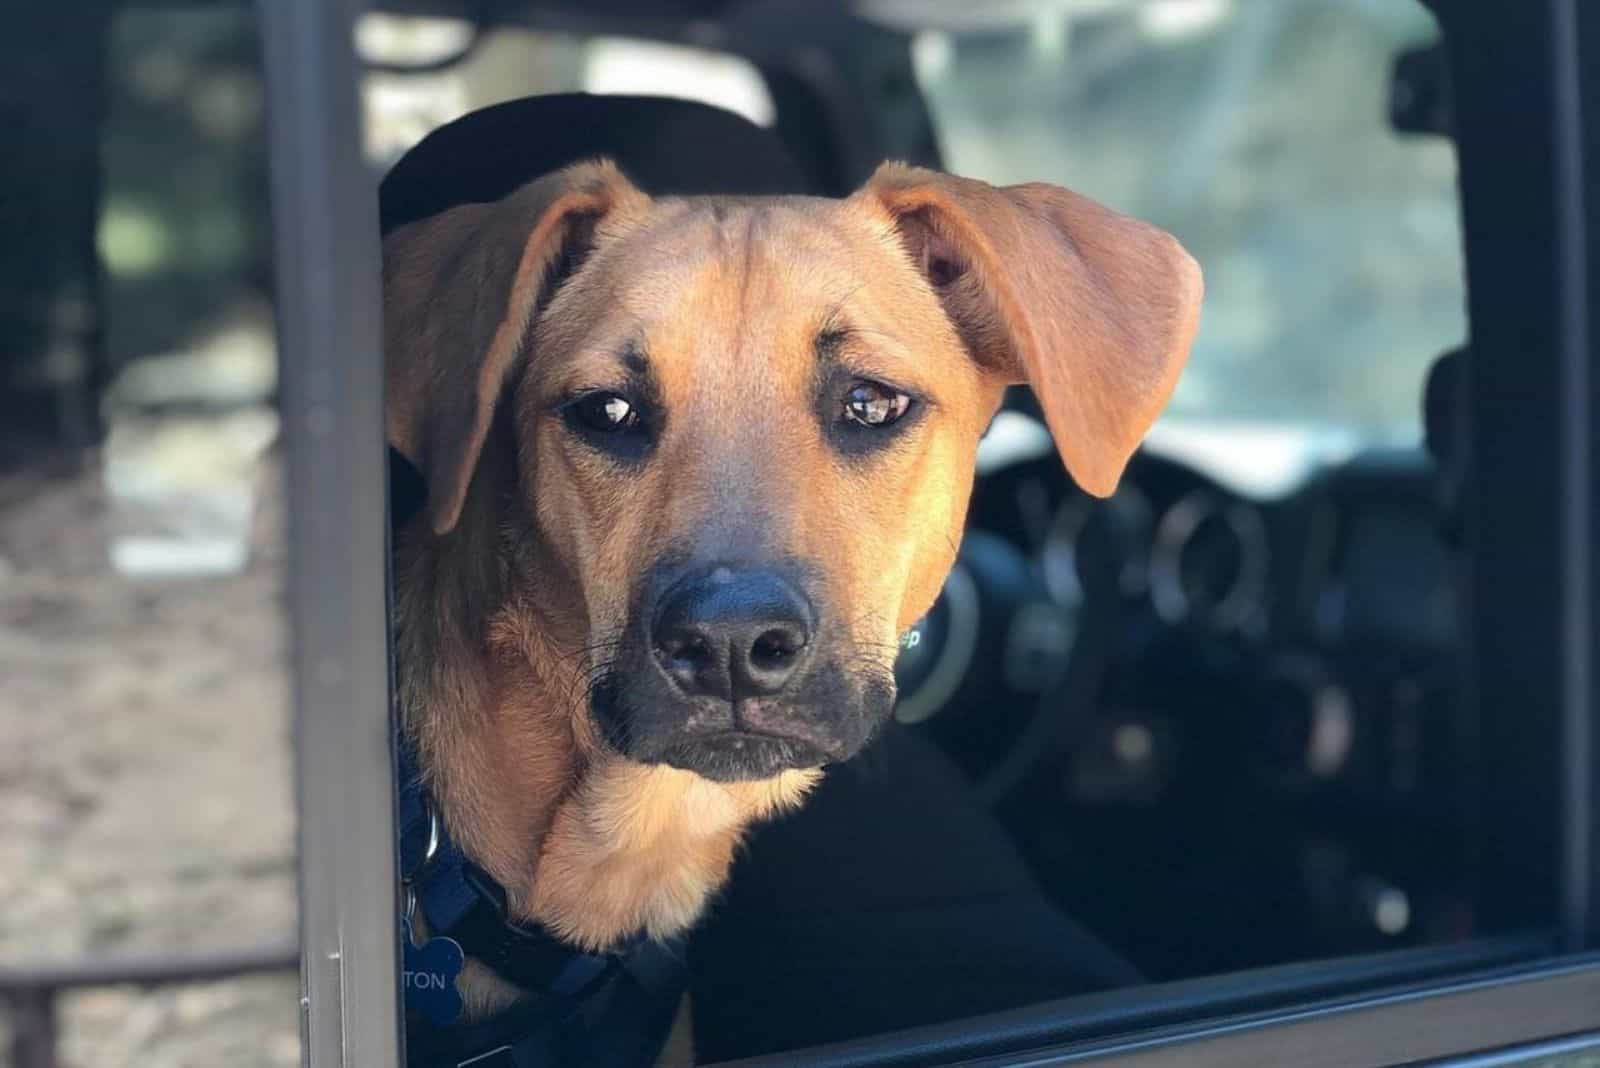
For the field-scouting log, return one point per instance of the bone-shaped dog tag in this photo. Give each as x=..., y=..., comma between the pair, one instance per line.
x=428, y=977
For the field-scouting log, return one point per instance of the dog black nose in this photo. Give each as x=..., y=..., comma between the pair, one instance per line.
x=733, y=634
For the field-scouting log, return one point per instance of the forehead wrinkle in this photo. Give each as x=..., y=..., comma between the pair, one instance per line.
x=643, y=270
x=747, y=271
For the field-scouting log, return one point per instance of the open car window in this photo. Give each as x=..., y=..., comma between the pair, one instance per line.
x=1262, y=136
x=1281, y=754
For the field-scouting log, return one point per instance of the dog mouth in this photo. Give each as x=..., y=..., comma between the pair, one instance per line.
x=729, y=741
x=735, y=754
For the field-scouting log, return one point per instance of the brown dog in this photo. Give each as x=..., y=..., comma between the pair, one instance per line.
x=693, y=465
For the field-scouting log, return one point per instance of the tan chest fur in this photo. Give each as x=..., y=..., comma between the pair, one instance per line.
x=636, y=847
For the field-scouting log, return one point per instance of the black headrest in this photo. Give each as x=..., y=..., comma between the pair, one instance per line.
x=665, y=146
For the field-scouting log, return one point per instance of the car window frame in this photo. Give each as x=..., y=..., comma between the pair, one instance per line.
x=1519, y=78
x=327, y=271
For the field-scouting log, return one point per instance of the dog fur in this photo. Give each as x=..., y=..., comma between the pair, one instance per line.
x=516, y=585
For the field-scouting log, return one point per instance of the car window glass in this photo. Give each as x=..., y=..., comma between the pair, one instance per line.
x=1258, y=133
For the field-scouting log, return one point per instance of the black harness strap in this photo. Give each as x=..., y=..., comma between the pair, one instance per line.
x=583, y=1008
x=623, y=1023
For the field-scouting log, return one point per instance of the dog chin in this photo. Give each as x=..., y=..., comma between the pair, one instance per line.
x=736, y=755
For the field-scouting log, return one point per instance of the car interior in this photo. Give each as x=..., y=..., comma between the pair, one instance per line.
x=1236, y=719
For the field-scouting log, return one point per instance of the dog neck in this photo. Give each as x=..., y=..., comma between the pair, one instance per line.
x=594, y=847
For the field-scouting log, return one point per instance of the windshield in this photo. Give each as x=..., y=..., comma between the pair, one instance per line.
x=1257, y=131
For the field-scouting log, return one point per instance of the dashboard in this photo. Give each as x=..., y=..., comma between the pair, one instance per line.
x=1224, y=728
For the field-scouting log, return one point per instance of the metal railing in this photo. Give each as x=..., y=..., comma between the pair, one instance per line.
x=30, y=992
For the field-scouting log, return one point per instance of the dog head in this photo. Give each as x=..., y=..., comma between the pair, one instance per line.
x=742, y=432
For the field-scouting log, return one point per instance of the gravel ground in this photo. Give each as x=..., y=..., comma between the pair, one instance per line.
x=145, y=792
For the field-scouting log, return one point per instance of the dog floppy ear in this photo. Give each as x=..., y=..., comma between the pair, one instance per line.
x=461, y=292
x=1094, y=310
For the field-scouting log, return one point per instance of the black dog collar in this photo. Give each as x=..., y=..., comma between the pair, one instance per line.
x=584, y=1008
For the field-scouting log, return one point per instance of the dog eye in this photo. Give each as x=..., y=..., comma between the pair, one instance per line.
x=605, y=412
x=875, y=404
